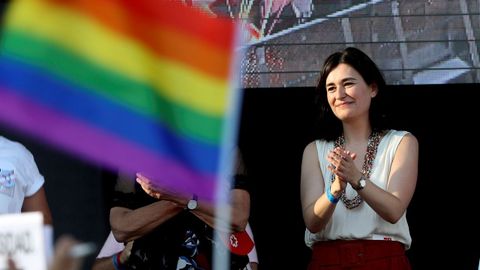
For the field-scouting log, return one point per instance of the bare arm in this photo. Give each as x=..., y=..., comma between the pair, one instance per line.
x=128, y=224
x=38, y=202
x=392, y=203
x=317, y=209
x=239, y=205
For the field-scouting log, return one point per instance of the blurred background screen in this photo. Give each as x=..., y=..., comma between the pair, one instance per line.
x=412, y=41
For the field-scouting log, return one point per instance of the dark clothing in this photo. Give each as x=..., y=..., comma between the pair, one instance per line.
x=184, y=240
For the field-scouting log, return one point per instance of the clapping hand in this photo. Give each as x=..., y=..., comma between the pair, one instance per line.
x=342, y=166
x=157, y=191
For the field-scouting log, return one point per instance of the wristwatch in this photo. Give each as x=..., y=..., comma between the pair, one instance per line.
x=193, y=203
x=362, y=182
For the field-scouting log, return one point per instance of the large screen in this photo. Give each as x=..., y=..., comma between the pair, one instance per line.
x=412, y=41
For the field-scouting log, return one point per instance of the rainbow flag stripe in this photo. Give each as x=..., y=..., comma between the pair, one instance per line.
x=132, y=85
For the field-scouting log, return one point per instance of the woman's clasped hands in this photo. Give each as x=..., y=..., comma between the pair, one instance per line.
x=342, y=165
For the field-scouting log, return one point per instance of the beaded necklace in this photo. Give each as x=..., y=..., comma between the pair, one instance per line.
x=372, y=146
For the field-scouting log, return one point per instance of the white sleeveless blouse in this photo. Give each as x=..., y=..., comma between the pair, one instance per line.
x=362, y=222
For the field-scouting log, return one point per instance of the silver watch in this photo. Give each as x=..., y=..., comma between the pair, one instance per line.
x=362, y=182
x=192, y=203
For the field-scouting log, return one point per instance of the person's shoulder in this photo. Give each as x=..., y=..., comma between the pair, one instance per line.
x=313, y=147
x=405, y=137
x=8, y=142
x=14, y=146
x=310, y=146
x=410, y=139
x=400, y=133
x=317, y=143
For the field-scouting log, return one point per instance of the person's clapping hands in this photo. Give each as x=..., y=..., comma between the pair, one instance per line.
x=343, y=166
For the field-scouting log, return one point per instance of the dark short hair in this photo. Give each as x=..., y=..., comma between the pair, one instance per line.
x=329, y=126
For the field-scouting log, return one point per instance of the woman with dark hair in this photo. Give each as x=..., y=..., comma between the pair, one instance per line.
x=358, y=178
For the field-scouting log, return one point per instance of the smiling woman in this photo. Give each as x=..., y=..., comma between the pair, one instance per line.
x=346, y=93
x=370, y=168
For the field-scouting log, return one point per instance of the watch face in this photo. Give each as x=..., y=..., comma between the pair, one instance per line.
x=192, y=205
x=362, y=183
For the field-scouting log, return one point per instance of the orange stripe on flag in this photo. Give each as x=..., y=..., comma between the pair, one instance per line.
x=163, y=39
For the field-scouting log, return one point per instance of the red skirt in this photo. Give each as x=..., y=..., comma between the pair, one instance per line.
x=359, y=254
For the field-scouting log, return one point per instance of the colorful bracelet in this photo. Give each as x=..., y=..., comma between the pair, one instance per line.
x=330, y=196
x=116, y=261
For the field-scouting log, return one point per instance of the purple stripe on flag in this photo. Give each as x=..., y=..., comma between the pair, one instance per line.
x=97, y=146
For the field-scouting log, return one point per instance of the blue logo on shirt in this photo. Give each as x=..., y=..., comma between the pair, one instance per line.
x=7, y=182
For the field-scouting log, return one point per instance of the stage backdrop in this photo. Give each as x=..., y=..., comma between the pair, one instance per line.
x=413, y=41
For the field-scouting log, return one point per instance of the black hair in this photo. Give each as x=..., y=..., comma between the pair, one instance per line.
x=329, y=126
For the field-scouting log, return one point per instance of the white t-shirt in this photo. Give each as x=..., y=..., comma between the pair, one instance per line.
x=19, y=176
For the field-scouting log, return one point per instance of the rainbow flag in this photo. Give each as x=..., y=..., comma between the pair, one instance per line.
x=137, y=86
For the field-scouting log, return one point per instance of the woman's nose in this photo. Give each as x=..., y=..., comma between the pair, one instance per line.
x=340, y=93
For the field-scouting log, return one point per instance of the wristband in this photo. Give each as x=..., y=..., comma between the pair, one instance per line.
x=117, y=264
x=330, y=197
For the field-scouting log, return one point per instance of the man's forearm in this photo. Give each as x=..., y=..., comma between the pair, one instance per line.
x=128, y=224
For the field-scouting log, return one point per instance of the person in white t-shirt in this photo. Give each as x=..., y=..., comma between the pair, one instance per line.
x=21, y=186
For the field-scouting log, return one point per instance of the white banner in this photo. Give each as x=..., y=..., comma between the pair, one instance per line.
x=22, y=238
